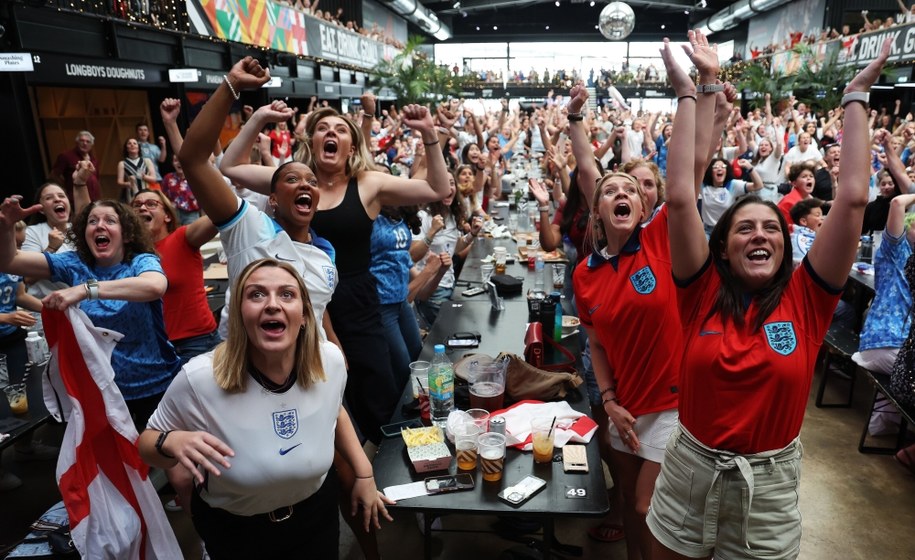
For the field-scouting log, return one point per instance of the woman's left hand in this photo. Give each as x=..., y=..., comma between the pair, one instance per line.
x=418, y=118
x=60, y=300
x=367, y=496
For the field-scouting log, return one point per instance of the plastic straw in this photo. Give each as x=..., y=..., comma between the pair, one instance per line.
x=422, y=390
x=552, y=425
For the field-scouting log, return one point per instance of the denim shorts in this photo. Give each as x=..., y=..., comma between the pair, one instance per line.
x=733, y=506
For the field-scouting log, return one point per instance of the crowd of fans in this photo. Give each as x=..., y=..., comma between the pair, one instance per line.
x=364, y=220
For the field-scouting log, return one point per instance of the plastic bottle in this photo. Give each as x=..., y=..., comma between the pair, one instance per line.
x=557, y=323
x=37, y=348
x=441, y=387
x=538, y=271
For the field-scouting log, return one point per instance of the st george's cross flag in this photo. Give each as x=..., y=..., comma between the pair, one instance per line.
x=113, y=508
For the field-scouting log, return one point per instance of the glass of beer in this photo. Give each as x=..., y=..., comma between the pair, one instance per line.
x=487, y=387
x=542, y=436
x=465, y=445
x=492, y=456
x=15, y=395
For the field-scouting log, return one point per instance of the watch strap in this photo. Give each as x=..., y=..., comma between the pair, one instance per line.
x=709, y=88
x=92, y=288
x=860, y=96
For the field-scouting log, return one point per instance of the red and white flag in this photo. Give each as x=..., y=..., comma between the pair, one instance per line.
x=114, y=510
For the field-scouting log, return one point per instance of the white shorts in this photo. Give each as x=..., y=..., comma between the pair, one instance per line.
x=653, y=431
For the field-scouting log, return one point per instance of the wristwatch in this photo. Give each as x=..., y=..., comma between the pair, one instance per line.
x=862, y=96
x=92, y=288
x=709, y=88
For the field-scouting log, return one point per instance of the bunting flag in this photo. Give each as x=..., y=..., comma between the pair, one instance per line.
x=113, y=508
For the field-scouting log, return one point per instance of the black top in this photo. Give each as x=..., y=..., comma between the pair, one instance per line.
x=348, y=227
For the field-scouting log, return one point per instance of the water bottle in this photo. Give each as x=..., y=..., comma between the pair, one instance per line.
x=37, y=348
x=441, y=387
x=866, y=248
x=538, y=271
x=557, y=322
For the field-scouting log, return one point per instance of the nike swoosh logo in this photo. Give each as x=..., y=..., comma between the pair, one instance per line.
x=279, y=258
x=593, y=309
x=705, y=333
x=287, y=450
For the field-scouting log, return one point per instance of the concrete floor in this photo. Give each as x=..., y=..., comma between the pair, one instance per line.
x=855, y=506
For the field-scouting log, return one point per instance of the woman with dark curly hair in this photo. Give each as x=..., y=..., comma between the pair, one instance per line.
x=117, y=280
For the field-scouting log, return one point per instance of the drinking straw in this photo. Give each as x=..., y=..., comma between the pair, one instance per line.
x=552, y=424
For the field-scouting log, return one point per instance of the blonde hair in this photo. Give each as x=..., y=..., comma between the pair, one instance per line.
x=231, y=357
x=361, y=160
x=595, y=236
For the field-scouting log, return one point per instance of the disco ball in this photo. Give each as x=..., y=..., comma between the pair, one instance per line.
x=616, y=21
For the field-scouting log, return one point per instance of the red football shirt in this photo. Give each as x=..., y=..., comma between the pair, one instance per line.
x=187, y=312
x=745, y=391
x=630, y=301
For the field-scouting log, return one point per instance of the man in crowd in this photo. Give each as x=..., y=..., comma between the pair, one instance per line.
x=66, y=163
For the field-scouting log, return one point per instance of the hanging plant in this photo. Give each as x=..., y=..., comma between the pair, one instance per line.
x=414, y=78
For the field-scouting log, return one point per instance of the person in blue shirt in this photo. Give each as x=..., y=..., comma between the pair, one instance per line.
x=392, y=234
x=115, y=278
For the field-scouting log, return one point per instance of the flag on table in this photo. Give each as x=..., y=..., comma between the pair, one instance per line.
x=113, y=508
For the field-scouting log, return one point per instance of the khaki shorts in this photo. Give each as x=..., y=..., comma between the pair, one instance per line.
x=733, y=506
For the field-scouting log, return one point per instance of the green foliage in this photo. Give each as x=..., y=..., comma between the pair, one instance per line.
x=414, y=78
x=820, y=85
x=755, y=78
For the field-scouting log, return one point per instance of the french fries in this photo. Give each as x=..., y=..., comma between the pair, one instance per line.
x=415, y=437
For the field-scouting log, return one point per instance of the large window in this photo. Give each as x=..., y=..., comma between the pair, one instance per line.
x=507, y=59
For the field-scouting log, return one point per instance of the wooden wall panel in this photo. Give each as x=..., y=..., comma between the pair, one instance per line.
x=111, y=115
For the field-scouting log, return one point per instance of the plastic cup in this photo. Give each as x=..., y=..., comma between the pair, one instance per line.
x=4, y=372
x=543, y=437
x=492, y=456
x=15, y=395
x=466, y=445
x=480, y=418
x=486, y=272
x=559, y=275
x=419, y=375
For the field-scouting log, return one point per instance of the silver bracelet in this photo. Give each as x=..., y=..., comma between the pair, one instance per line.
x=235, y=94
x=860, y=96
x=544, y=208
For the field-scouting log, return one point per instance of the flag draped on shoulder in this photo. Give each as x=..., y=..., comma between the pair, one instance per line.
x=113, y=508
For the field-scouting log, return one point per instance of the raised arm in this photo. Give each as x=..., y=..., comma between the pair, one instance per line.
x=706, y=61
x=588, y=172
x=893, y=164
x=13, y=261
x=688, y=247
x=236, y=163
x=81, y=175
x=214, y=196
x=395, y=191
x=550, y=236
x=169, y=109
x=368, y=115
x=833, y=250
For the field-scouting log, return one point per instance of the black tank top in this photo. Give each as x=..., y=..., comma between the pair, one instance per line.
x=349, y=229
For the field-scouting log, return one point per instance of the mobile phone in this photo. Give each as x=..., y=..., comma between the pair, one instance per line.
x=393, y=430
x=521, y=492
x=473, y=292
x=449, y=483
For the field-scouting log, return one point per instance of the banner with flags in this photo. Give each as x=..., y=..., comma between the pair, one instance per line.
x=113, y=508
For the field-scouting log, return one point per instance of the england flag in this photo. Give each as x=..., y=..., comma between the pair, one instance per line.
x=113, y=508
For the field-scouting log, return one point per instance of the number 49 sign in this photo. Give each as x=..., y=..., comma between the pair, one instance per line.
x=575, y=493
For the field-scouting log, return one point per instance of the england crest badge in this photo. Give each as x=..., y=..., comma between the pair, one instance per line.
x=781, y=337
x=643, y=280
x=285, y=423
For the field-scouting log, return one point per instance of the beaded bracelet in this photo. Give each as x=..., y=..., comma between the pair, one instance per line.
x=235, y=94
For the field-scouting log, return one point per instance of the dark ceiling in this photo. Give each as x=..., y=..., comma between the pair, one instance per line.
x=573, y=20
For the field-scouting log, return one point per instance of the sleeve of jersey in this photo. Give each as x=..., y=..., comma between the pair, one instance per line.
x=146, y=262
x=179, y=408
x=693, y=294
x=65, y=267
x=813, y=299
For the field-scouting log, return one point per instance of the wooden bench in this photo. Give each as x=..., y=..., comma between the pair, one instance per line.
x=881, y=383
x=840, y=343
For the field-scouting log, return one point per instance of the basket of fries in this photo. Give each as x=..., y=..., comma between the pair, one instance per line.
x=427, y=449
